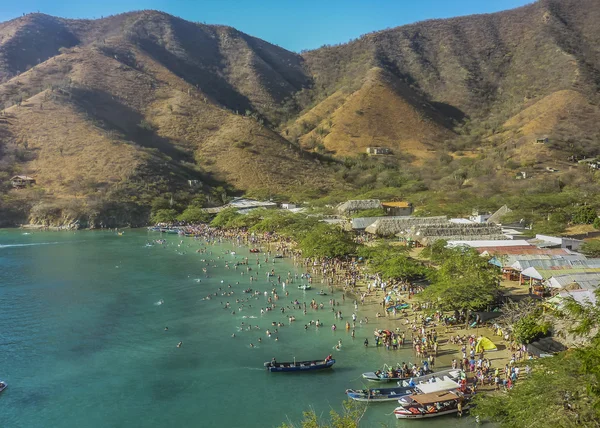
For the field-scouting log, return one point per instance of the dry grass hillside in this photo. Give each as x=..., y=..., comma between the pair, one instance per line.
x=134, y=110
x=484, y=67
x=110, y=115
x=384, y=112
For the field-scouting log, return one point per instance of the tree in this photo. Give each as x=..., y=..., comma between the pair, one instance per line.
x=393, y=263
x=324, y=240
x=164, y=216
x=349, y=418
x=225, y=218
x=465, y=281
x=585, y=215
x=193, y=214
x=563, y=390
x=529, y=328
x=591, y=248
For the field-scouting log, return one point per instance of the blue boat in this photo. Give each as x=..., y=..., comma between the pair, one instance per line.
x=382, y=394
x=300, y=366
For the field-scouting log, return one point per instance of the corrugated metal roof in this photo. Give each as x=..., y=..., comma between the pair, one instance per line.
x=363, y=222
x=518, y=250
x=586, y=281
x=491, y=243
x=544, y=274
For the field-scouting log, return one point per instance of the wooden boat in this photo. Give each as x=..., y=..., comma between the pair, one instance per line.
x=421, y=406
x=382, y=376
x=3, y=386
x=304, y=287
x=383, y=394
x=299, y=366
x=398, y=393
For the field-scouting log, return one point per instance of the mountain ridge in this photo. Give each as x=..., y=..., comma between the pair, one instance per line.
x=185, y=102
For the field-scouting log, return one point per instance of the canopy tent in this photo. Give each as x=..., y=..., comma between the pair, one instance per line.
x=434, y=397
x=438, y=386
x=485, y=344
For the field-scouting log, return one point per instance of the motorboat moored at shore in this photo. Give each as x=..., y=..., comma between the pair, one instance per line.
x=300, y=366
x=431, y=405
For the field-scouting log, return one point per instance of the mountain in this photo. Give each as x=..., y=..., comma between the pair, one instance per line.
x=133, y=106
x=110, y=115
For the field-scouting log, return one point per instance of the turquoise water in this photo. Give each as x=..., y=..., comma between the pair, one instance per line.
x=82, y=339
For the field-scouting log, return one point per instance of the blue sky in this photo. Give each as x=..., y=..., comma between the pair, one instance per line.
x=292, y=24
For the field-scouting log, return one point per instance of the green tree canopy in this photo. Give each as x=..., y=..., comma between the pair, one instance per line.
x=324, y=240
x=164, y=216
x=194, y=214
x=464, y=281
x=225, y=218
x=585, y=214
x=591, y=248
x=563, y=390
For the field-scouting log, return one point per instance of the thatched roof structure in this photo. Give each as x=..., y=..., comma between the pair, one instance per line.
x=389, y=226
x=428, y=234
x=497, y=216
x=358, y=205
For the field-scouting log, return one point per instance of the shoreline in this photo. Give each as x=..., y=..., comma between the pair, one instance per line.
x=370, y=304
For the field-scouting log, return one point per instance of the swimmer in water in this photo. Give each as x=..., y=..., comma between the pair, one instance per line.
x=180, y=344
x=252, y=345
x=166, y=328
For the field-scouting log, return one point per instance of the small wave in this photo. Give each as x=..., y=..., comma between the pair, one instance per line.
x=29, y=245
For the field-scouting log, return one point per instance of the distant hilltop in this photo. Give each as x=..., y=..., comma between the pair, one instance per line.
x=107, y=115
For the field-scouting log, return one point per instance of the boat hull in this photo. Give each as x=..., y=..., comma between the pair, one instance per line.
x=400, y=415
x=389, y=394
x=302, y=366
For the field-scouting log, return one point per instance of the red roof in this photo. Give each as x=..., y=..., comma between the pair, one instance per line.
x=525, y=249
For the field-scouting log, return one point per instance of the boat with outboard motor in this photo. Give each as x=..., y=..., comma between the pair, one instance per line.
x=398, y=373
x=300, y=366
x=413, y=387
x=419, y=406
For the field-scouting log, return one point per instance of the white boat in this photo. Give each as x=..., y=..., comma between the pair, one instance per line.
x=3, y=386
x=420, y=406
x=304, y=287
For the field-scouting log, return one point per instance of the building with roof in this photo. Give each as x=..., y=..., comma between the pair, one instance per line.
x=22, y=181
x=243, y=205
x=354, y=206
x=428, y=234
x=400, y=208
x=497, y=216
x=577, y=281
x=361, y=223
x=399, y=226
x=490, y=245
x=546, y=241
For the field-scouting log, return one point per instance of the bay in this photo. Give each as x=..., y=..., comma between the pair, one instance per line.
x=83, y=340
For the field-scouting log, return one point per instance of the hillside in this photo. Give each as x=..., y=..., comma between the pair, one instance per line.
x=117, y=114
x=384, y=112
x=128, y=113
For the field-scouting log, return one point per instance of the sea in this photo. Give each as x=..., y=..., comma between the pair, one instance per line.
x=83, y=340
